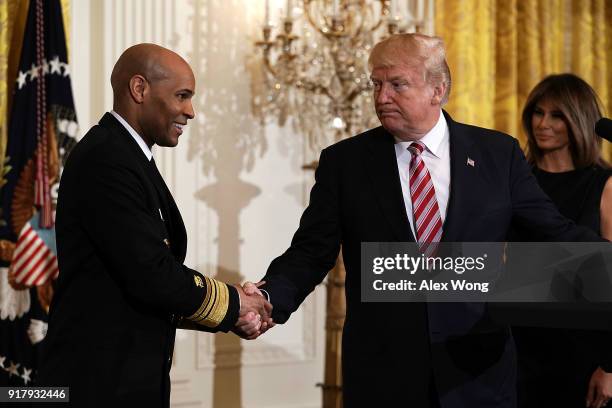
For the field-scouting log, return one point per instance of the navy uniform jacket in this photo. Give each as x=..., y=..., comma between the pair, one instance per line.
x=392, y=352
x=122, y=287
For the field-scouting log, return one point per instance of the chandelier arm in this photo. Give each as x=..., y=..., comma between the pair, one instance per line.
x=354, y=93
x=384, y=11
x=359, y=28
x=312, y=87
x=311, y=20
x=268, y=65
x=376, y=26
x=356, y=41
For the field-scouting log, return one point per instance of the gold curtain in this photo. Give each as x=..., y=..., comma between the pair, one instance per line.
x=12, y=19
x=498, y=50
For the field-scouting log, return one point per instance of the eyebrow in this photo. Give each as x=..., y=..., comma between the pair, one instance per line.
x=189, y=91
x=554, y=110
x=395, y=78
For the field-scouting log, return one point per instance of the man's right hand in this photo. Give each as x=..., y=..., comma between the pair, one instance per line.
x=251, y=288
x=255, y=315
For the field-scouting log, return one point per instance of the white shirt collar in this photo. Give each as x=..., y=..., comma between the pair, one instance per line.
x=432, y=139
x=136, y=136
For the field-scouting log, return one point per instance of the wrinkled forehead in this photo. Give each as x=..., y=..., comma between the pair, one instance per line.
x=391, y=58
x=397, y=70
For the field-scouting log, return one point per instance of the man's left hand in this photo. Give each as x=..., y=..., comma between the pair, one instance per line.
x=600, y=389
x=248, y=326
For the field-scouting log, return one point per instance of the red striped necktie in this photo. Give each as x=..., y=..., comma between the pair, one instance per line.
x=427, y=220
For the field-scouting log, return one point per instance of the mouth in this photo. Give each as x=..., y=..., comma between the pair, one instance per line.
x=387, y=114
x=179, y=127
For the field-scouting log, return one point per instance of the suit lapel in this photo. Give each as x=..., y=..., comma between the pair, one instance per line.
x=172, y=217
x=463, y=180
x=174, y=221
x=384, y=177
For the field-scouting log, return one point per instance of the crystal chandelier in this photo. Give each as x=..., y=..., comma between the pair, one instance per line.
x=314, y=63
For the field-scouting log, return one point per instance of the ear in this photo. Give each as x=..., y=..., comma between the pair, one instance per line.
x=138, y=88
x=438, y=93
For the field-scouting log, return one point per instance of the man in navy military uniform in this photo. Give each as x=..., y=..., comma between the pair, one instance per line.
x=122, y=289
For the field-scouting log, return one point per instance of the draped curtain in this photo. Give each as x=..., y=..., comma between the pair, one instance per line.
x=498, y=50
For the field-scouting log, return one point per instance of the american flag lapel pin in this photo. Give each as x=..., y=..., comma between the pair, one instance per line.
x=470, y=162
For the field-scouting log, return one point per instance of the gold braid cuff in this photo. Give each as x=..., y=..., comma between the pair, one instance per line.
x=214, y=306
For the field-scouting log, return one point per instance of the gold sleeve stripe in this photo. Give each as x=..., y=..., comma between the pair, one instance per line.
x=205, y=303
x=211, y=302
x=214, y=306
x=219, y=312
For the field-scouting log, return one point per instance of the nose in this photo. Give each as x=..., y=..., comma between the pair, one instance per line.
x=542, y=121
x=189, y=110
x=383, y=94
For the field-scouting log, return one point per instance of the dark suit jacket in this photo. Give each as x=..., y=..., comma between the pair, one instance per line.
x=122, y=286
x=391, y=351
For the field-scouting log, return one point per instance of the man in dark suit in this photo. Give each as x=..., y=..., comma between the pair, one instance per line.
x=419, y=177
x=122, y=289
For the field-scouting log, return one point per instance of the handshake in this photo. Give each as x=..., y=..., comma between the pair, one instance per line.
x=255, y=316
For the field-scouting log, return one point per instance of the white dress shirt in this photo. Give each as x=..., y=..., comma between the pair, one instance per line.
x=136, y=136
x=437, y=159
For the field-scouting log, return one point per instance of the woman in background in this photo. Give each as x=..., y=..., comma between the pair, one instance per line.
x=565, y=367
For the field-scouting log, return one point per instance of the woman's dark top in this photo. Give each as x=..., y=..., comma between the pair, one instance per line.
x=576, y=193
x=555, y=365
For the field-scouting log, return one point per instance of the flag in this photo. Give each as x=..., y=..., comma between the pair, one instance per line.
x=42, y=130
x=34, y=262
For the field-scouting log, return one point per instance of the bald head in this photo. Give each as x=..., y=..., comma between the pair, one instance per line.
x=153, y=62
x=152, y=91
